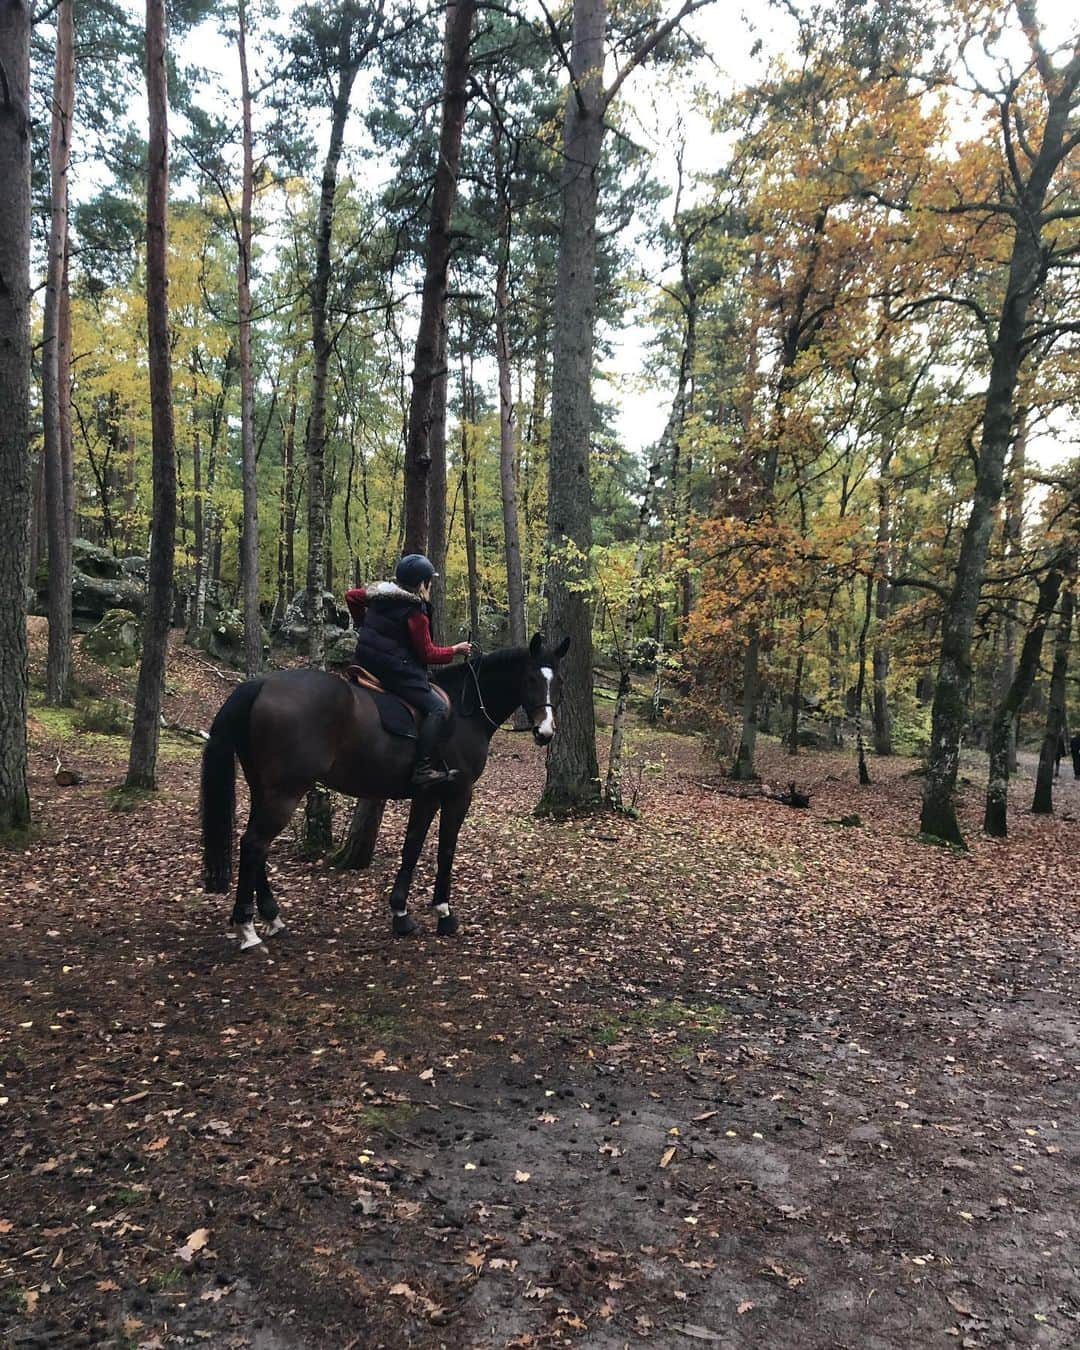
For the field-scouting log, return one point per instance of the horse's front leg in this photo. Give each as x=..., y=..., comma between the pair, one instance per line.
x=421, y=815
x=454, y=810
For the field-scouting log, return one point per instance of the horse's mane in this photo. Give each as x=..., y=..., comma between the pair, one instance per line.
x=491, y=664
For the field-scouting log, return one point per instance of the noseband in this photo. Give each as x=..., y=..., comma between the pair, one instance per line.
x=472, y=664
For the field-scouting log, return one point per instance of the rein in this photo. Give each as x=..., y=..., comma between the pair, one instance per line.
x=473, y=665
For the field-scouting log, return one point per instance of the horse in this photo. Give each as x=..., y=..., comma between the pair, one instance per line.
x=294, y=728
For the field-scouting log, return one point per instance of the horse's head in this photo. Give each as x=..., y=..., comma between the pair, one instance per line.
x=542, y=688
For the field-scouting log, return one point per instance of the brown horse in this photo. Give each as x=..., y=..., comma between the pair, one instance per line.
x=295, y=728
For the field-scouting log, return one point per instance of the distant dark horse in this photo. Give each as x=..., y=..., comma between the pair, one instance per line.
x=295, y=728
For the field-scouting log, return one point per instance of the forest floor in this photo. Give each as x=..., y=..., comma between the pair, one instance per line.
x=728, y=1074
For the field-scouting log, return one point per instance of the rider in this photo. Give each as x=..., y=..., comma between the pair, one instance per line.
x=394, y=643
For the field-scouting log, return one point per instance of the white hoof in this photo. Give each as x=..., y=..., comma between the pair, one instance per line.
x=278, y=926
x=248, y=936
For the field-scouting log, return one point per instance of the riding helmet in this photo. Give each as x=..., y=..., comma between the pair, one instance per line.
x=413, y=570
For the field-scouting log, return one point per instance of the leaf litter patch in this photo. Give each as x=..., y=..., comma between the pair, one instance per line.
x=725, y=1074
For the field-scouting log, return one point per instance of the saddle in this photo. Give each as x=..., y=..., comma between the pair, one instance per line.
x=398, y=716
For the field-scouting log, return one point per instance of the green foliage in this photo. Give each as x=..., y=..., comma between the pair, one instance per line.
x=104, y=717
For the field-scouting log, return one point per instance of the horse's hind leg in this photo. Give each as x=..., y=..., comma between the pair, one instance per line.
x=269, y=816
x=421, y=815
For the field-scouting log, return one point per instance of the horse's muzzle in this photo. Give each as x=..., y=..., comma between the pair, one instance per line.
x=542, y=737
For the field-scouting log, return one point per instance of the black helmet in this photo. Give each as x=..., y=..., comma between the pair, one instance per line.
x=413, y=570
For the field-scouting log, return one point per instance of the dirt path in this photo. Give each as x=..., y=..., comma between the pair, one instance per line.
x=727, y=1075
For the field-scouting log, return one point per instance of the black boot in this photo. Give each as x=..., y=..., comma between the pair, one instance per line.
x=426, y=773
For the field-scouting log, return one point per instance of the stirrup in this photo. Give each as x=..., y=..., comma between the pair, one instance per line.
x=430, y=775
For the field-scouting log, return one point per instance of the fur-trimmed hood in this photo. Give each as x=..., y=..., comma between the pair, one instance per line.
x=390, y=590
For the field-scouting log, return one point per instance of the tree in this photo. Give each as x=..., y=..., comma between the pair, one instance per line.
x=249, y=538
x=1037, y=143
x=1054, y=735
x=15, y=399
x=426, y=371
x=55, y=367
x=515, y=589
x=1002, y=729
x=573, y=778
x=142, y=761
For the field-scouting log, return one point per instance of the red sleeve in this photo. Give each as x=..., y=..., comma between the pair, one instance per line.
x=420, y=635
x=357, y=603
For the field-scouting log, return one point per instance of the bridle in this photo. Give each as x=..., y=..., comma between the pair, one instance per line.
x=473, y=664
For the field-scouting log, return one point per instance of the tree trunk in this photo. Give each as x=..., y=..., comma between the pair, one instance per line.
x=836, y=698
x=1003, y=726
x=515, y=591
x=15, y=402
x=358, y=849
x=67, y=443
x=860, y=685
x=321, y=342
x=1024, y=284
x=743, y=768
x=573, y=776
x=437, y=486
x=468, y=519
x=287, y=557
x=1043, y=801
x=142, y=762
x=459, y=21
x=882, y=715
x=613, y=785
x=249, y=537
x=55, y=385
x=1014, y=527
x=796, y=692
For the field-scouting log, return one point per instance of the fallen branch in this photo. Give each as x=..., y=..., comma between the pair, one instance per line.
x=747, y=791
x=227, y=676
x=183, y=730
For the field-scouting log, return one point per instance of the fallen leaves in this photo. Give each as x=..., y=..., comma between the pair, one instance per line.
x=195, y=1242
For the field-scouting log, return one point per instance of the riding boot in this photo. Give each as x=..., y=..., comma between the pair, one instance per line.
x=427, y=773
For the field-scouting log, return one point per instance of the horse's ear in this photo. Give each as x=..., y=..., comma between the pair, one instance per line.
x=536, y=646
x=561, y=650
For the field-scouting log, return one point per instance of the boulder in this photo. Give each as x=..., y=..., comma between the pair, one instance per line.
x=99, y=583
x=224, y=638
x=294, y=622
x=116, y=641
x=341, y=650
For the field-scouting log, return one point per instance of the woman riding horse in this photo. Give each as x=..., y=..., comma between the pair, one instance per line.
x=394, y=643
x=291, y=729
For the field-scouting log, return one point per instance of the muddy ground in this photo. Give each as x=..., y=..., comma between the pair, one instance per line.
x=728, y=1074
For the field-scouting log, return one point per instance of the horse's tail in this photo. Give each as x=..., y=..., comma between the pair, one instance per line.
x=228, y=736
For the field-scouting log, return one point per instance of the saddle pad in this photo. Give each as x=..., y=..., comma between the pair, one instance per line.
x=398, y=717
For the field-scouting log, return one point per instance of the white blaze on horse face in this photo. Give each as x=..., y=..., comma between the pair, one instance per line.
x=546, y=728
